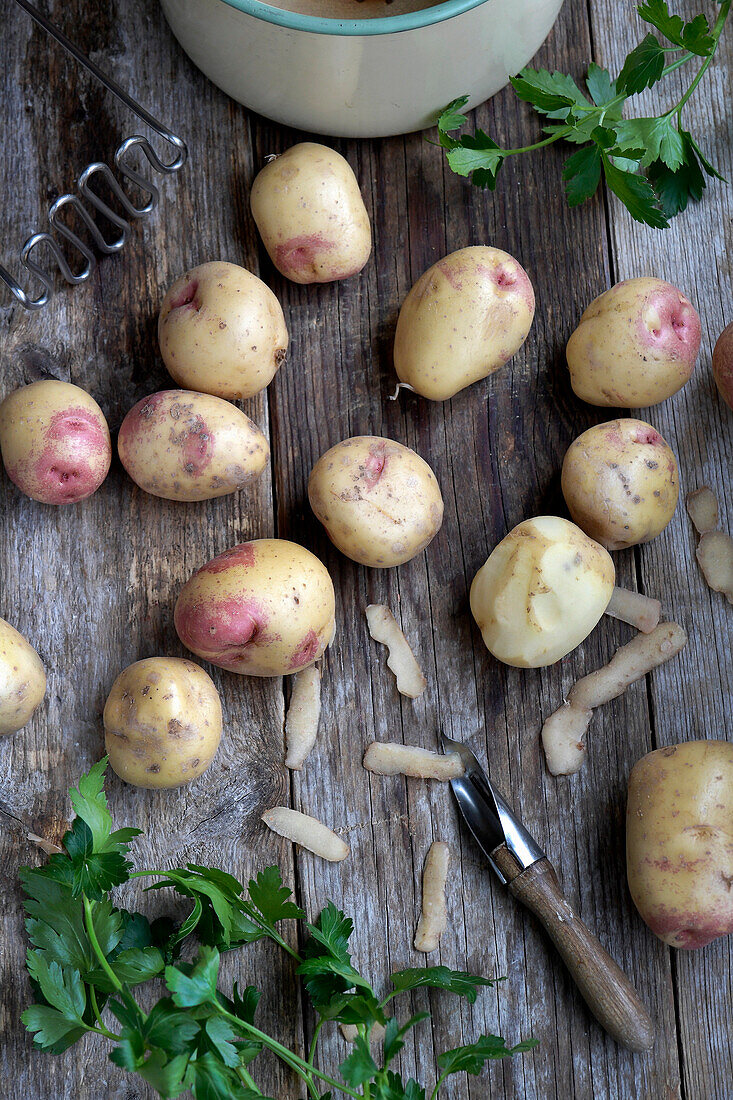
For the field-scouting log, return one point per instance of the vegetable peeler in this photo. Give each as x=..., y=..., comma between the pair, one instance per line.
x=521, y=865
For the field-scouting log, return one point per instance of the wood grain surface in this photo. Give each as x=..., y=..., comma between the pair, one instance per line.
x=93, y=586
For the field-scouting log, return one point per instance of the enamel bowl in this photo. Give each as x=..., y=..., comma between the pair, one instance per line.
x=360, y=77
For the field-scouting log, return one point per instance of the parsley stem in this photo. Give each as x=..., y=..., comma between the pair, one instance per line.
x=91, y=932
x=716, y=33
x=530, y=148
x=248, y=1080
x=95, y=1009
x=314, y=1040
x=438, y=1085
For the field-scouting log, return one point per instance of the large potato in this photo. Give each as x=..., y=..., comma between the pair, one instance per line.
x=541, y=591
x=263, y=608
x=463, y=319
x=679, y=841
x=55, y=442
x=723, y=364
x=22, y=679
x=379, y=501
x=308, y=208
x=635, y=345
x=183, y=445
x=162, y=722
x=222, y=331
x=620, y=483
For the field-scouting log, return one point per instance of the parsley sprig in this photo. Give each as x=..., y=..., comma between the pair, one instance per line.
x=88, y=956
x=652, y=164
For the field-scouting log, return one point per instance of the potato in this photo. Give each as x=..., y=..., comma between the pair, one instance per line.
x=54, y=441
x=679, y=845
x=222, y=331
x=620, y=483
x=635, y=345
x=162, y=722
x=183, y=445
x=463, y=319
x=379, y=501
x=541, y=592
x=723, y=364
x=22, y=679
x=263, y=608
x=308, y=208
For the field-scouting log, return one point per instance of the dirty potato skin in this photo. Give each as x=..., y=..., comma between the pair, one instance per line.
x=679, y=841
x=379, y=501
x=723, y=364
x=55, y=442
x=620, y=483
x=162, y=722
x=183, y=445
x=464, y=318
x=222, y=331
x=22, y=679
x=308, y=208
x=263, y=608
x=635, y=345
x=541, y=591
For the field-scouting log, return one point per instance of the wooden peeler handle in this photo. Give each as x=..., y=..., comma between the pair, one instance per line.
x=607, y=991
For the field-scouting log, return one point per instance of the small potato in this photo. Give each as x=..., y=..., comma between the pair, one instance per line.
x=22, y=679
x=679, y=846
x=463, y=319
x=723, y=364
x=162, y=722
x=379, y=501
x=635, y=345
x=183, y=445
x=620, y=483
x=263, y=608
x=541, y=592
x=308, y=208
x=222, y=331
x=54, y=441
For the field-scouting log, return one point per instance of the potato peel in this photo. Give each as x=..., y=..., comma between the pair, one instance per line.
x=702, y=508
x=401, y=661
x=301, y=722
x=391, y=758
x=715, y=557
x=306, y=831
x=633, y=608
x=434, y=916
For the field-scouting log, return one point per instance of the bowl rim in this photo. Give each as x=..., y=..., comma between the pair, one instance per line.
x=346, y=28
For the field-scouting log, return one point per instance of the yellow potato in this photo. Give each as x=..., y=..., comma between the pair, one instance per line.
x=22, y=679
x=541, y=592
x=162, y=722
x=679, y=842
x=635, y=345
x=723, y=364
x=183, y=445
x=263, y=608
x=463, y=319
x=620, y=483
x=222, y=331
x=54, y=441
x=379, y=501
x=308, y=208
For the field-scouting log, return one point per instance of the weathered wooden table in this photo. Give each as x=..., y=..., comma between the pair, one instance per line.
x=93, y=586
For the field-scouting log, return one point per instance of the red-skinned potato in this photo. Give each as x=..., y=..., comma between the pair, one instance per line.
x=263, y=608
x=620, y=483
x=55, y=442
x=635, y=345
x=22, y=679
x=679, y=843
x=222, y=331
x=464, y=318
x=723, y=364
x=183, y=445
x=308, y=208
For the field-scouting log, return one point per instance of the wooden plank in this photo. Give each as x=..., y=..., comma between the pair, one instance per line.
x=691, y=698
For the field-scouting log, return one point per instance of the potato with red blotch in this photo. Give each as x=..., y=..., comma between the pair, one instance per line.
x=222, y=331
x=22, y=679
x=465, y=317
x=162, y=722
x=635, y=345
x=723, y=364
x=679, y=843
x=308, y=208
x=54, y=441
x=263, y=608
x=620, y=483
x=379, y=501
x=184, y=445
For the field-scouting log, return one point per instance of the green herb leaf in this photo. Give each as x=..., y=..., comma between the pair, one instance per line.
x=452, y=118
x=440, y=977
x=333, y=931
x=394, y=1034
x=271, y=899
x=477, y=155
x=359, y=1067
x=653, y=139
x=582, y=174
x=195, y=985
x=61, y=987
x=391, y=1087
x=709, y=170
x=165, y=1075
x=637, y=195
x=55, y=922
x=54, y=1031
x=471, y=1058
x=643, y=67
x=222, y=1035
x=548, y=92
x=602, y=90
x=214, y=1081
x=694, y=36
x=170, y=1028
x=135, y=965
